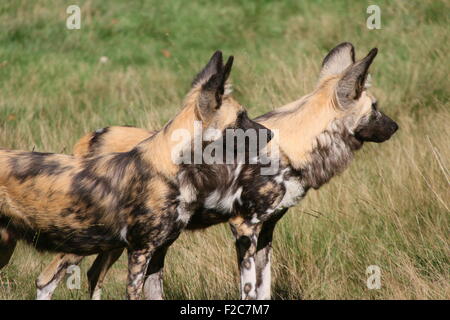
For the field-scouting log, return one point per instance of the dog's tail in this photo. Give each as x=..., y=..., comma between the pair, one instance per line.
x=110, y=139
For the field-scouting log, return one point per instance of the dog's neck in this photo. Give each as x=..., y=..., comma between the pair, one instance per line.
x=158, y=149
x=331, y=153
x=313, y=140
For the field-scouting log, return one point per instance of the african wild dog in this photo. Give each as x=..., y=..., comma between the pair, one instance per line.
x=140, y=199
x=334, y=121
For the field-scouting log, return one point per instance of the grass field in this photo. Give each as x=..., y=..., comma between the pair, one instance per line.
x=390, y=208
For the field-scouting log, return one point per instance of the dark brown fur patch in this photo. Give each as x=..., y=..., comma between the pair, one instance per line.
x=96, y=139
x=29, y=165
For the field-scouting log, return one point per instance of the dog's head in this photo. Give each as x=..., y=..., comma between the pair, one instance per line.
x=216, y=107
x=355, y=105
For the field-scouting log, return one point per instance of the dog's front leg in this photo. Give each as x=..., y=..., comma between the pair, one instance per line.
x=262, y=260
x=246, y=235
x=263, y=257
x=137, y=264
x=153, y=286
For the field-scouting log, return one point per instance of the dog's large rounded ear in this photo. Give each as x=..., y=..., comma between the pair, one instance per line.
x=214, y=66
x=337, y=60
x=210, y=98
x=352, y=83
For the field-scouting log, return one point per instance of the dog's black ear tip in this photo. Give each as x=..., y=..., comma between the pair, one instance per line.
x=371, y=55
x=228, y=65
x=217, y=59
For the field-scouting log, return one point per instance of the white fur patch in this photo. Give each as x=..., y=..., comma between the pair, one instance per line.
x=97, y=295
x=98, y=131
x=153, y=289
x=280, y=177
x=123, y=233
x=248, y=276
x=228, y=201
x=223, y=202
x=183, y=214
x=188, y=193
x=263, y=290
x=237, y=171
x=212, y=200
x=46, y=292
x=293, y=194
x=368, y=82
x=255, y=219
x=228, y=89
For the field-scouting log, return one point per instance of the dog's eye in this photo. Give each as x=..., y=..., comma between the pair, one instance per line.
x=375, y=105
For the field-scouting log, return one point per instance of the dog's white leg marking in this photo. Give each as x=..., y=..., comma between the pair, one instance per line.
x=263, y=257
x=97, y=294
x=245, y=234
x=46, y=292
x=153, y=287
x=248, y=279
x=263, y=288
x=48, y=280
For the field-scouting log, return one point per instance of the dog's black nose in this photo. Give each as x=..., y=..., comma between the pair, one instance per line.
x=394, y=127
x=270, y=135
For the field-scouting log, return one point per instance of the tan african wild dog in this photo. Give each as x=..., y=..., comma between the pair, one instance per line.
x=139, y=200
x=334, y=121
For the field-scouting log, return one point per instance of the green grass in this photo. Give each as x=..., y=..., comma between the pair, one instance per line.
x=390, y=208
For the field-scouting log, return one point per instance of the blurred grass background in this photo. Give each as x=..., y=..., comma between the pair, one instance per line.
x=390, y=208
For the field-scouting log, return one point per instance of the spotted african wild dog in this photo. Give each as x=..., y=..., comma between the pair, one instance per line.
x=139, y=200
x=334, y=121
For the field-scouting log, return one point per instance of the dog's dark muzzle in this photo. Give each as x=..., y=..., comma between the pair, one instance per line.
x=378, y=130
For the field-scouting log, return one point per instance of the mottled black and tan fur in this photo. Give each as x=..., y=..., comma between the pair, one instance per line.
x=134, y=200
x=333, y=122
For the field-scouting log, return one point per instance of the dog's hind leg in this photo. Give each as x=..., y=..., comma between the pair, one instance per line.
x=263, y=255
x=153, y=287
x=48, y=280
x=7, y=246
x=98, y=270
